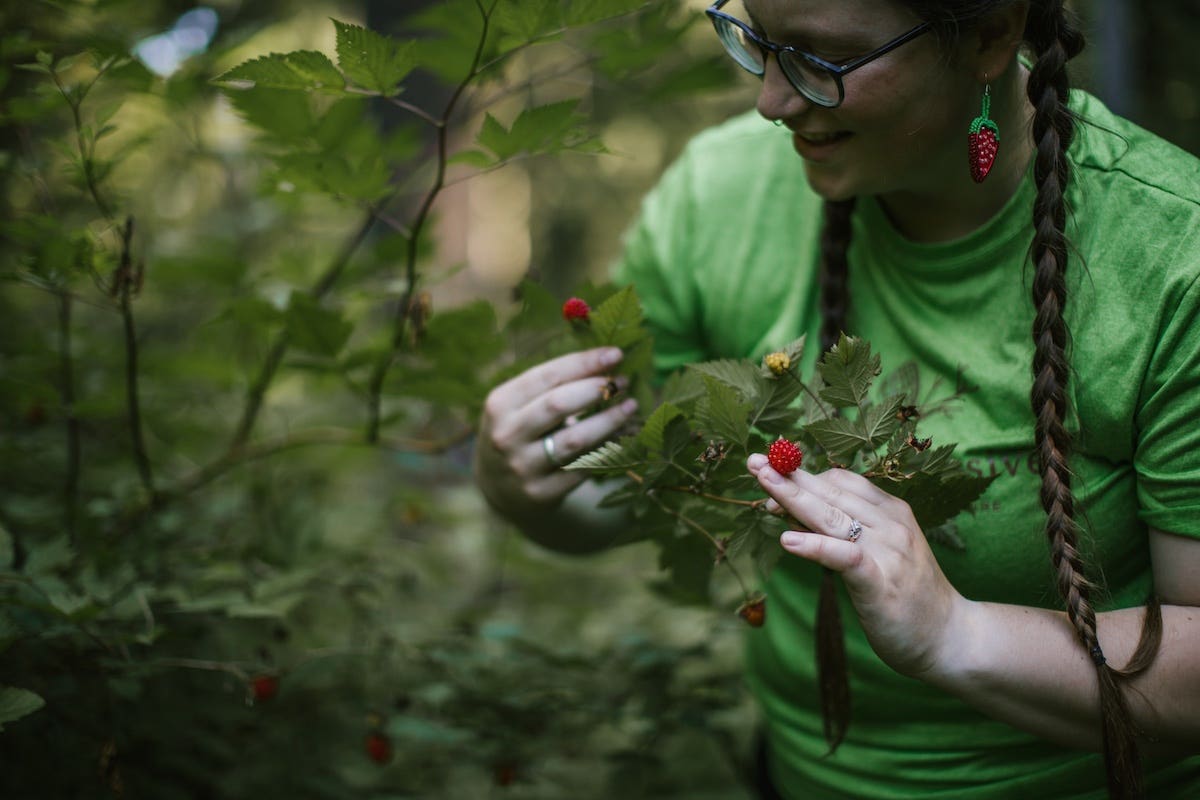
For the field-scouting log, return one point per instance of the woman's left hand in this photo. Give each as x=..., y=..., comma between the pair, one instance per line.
x=907, y=607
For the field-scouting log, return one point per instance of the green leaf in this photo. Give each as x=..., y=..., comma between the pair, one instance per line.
x=721, y=413
x=936, y=500
x=313, y=329
x=303, y=69
x=841, y=438
x=740, y=375
x=16, y=703
x=879, y=422
x=586, y=12
x=526, y=20
x=652, y=434
x=609, y=457
x=542, y=129
x=372, y=60
x=848, y=370
x=617, y=322
x=689, y=562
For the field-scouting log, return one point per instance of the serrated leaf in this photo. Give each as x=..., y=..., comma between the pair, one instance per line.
x=586, y=12
x=848, y=370
x=609, y=457
x=721, y=413
x=740, y=375
x=16, y=703
x=879, y=422
x=372, y=60
x=313, y=329
x=527, y=19
x=947, y=536
x=472, y=158
x=841, y=438
x=542, y=129
x=936, y=500
x=651, y=434
x=776, y=411
x=302, y=69
x=617, y=322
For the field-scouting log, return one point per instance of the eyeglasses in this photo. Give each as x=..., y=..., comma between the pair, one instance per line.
x=814, y=77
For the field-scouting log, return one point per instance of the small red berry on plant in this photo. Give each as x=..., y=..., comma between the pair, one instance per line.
x=264, y=687
x=576, y=309
x=785, y=457
x=754, y=612
x=379, y=747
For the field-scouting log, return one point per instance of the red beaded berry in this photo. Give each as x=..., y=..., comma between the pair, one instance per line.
x=784, y=456
x=575, y=309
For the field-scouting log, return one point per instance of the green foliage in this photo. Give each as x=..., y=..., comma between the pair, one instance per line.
x=682, y=476
x=237, y=402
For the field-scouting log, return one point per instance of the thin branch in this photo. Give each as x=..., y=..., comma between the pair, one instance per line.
x=416, y=111
x=66, y=390
x=127, y=282
x=696, y=526
x=270, y=365
x=403, y=310
x=315, y=436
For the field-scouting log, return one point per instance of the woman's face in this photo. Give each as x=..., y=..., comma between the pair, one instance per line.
x=901, y=128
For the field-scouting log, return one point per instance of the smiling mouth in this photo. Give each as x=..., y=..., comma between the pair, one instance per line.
x=823, y=138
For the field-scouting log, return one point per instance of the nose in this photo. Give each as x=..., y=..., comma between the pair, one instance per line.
x=778, y=99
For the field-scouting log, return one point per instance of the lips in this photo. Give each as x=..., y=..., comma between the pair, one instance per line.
x=819, y=146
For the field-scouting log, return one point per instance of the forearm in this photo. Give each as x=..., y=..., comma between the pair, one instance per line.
x=577, y=525
x=1024, y=666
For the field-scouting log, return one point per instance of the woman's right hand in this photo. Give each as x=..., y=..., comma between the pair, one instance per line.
x=512, y=464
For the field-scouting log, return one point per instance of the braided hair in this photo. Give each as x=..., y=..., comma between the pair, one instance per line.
x=1054, y=40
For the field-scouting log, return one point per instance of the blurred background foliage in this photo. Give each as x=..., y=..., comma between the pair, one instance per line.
x=271, y=577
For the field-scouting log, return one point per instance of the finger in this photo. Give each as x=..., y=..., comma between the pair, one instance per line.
x=551, y=409
x=811, y=508
x=835, y=554
x=856, y=484
x=585, y=435
x=536, y=381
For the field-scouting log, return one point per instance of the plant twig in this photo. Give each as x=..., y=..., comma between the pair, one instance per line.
x=274, y=357
x=696, y=526
x=379, y=373
x=66, y=390
x=126, y=282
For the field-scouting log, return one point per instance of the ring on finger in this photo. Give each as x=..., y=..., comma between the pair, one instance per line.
x=548, y=449
x=855, y=531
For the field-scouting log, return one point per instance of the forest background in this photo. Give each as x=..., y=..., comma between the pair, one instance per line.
x=247, y=328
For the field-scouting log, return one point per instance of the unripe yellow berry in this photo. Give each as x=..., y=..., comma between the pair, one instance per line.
x=778, y=363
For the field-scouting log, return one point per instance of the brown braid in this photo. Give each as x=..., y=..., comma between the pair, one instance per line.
x=833, y=674
x=1056, y=41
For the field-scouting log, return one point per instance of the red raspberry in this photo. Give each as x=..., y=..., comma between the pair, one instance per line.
x=754, y=612
x=264, y=687
x=575, y=309
x=379, y=747
x=784, y=456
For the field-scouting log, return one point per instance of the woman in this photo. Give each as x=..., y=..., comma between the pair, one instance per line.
x=1053, y=255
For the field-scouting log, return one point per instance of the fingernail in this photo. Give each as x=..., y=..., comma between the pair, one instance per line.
x=790, y=539
x=629, y=406
x=756, y=461
x=610, y=356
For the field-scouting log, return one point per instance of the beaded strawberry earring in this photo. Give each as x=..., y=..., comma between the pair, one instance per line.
x=983, y=139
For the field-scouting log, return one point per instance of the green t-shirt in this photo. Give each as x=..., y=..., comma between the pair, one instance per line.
x=724, y=256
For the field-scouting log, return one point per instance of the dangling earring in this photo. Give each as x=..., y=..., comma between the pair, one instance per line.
x=983, y=139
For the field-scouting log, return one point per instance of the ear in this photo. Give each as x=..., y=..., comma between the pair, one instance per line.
x=996, y=39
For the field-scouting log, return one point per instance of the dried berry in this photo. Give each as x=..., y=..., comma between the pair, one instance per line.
x=264, y=687
x=785, y=457
x=379, y=747
x=754, y=611
x=778, y=362
x=920, y=445
x=576, y=309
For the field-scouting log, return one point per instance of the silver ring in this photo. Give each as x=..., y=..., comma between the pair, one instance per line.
x=855, y=530
x=548, y=449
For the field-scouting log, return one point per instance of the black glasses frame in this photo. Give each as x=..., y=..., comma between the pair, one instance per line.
x=836, y=71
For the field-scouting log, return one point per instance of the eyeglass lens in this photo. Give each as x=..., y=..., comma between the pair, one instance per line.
x=812, y=81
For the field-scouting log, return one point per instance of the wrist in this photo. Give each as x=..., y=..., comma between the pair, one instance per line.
x=957, y=660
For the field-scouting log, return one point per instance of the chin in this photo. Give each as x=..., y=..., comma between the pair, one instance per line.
x=831, y=187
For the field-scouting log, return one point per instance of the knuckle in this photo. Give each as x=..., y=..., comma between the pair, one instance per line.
x=553, y=404
x=833, y=518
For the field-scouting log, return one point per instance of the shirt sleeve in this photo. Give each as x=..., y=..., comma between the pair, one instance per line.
x=1167, y=458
